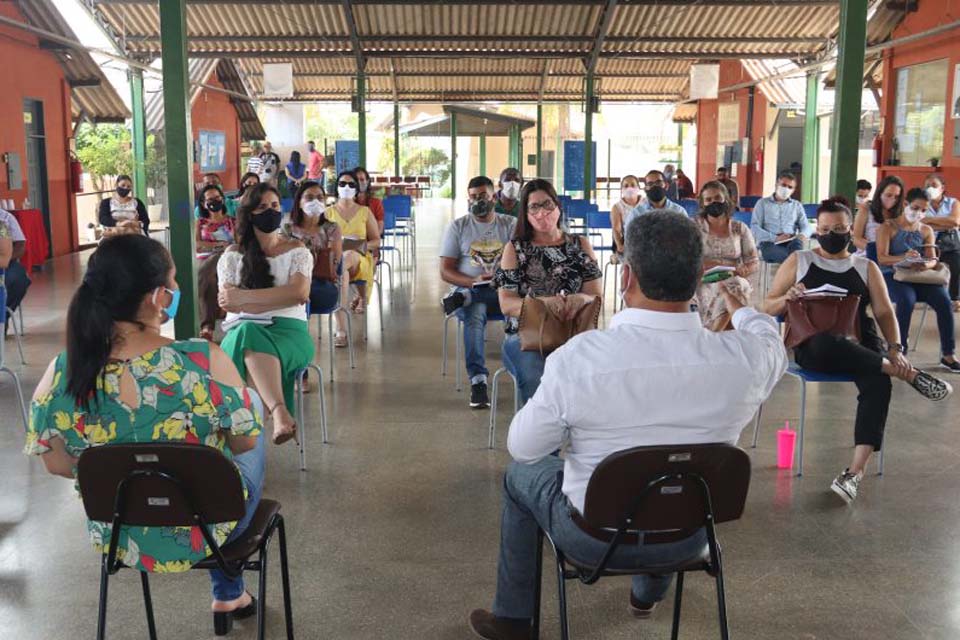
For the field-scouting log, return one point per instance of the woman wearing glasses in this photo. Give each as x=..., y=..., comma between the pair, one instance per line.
x=541, y=260
x=361, y=236
x=264, y=287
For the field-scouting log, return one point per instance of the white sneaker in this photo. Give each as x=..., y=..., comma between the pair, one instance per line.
x=846, y=485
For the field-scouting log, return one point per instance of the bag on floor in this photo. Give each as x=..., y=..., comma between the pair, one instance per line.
x=807, y=317
x=948, y=241
x=543, y=331
x=939, y=275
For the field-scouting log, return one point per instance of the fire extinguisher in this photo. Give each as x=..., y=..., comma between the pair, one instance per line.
x=759, y=159
x=877, y=150
x=76, y=174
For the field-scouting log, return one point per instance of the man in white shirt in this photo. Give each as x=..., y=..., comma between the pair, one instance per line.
x=654, y=377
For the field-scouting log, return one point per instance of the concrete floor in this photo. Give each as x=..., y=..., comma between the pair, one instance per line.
x=394, y=528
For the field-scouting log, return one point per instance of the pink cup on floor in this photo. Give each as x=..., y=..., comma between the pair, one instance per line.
x=786, y=439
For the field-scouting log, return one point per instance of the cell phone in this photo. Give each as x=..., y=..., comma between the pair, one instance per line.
x=718, y=276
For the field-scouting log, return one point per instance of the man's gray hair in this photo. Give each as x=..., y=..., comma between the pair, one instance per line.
x=665, y=253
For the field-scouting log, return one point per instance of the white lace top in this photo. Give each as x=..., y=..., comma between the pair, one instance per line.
x=282, y=268
x=123, y=210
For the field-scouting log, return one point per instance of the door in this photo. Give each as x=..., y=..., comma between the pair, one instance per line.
x=37, y=161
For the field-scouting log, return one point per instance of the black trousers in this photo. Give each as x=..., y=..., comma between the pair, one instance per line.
x=952, y=260
x=833, y=354
x=17, y=282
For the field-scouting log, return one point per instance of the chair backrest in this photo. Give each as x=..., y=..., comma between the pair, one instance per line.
x=389, y=218
x=744, y=217
x=400, y=205
x=599, y=220
x=811, y=210
x=691, y=206
x=423, y=179
x=749, y=202
x=602, y=180
x=161, y=484
x=395, y=179
x=664, y=488
x=410, y=179
x=872, y=252
x=381, y=179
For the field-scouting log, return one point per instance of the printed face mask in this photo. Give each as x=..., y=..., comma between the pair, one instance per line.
x=480, y=208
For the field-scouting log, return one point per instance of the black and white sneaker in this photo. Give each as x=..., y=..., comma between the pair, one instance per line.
x=478, y=396
x=952, y=367
x=452, y=302
x=930, y=387
x=846, y=485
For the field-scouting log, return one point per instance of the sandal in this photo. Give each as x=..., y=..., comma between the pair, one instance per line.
x=357, y=306
x=340, y=339
x=281, y=436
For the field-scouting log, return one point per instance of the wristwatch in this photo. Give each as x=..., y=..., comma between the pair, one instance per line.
x=896, y=345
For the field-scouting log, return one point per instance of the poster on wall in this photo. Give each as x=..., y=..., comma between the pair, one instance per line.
x=213, y=151
x=956, y=93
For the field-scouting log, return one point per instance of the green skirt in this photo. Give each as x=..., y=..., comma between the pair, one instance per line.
x=287, y=339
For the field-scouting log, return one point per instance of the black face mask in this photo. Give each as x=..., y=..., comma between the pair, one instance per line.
x=268, y=221
x=123, y=192
x=715, y=209
x=833, y=242
x=215, y=206
x=656, y=194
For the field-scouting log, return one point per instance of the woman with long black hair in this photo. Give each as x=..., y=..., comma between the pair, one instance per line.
x=264, y=287
x=120, y=381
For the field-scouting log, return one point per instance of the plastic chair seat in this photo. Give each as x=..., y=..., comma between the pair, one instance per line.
x=816, y=376
x=248, y=543
x=697, y=563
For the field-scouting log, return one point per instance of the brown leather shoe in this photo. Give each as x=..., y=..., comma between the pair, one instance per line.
x=490, y=627
x=641, y=610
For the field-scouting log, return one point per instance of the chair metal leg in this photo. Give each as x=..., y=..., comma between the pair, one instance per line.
x=803, y=422
x=443, y=362
x=324, y=436
x=494, y=401
x=380, y=293
x=102, y=608
x=677, y=602
x=460, y=332
x=17, y=330
x=350, y=350
x=562, y=597
x=148, y=604
x=301, y=423
x=262, y=597
x=516, y=395
x=333, y=368
x=537, y=589
x=721, y=599
x=880, y=463
x=756, y=426
x=923, y=320
x=19, y=389
x=285, y=576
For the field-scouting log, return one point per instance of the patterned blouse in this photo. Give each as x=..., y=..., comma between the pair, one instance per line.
x=547, y=270
x=217, y=230
x=326, y=236
x=178, y=402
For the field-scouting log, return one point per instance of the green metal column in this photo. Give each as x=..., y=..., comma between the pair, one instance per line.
x=846, y=111
x=512, y=147
x=178, y=138
x=539, y=140
x=811, y=140
x=396, y=138
x=483, y=154
x=453, y=156
x=588, y=158
x=139, y=134
x=362, y=116
x=680, y=145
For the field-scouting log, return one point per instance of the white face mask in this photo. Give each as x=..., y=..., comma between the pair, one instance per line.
x=631, y=192
x=784, y=192
x=913, y=215
x=346, y=193
x=363, y=185
x=934, y=193
x=861, y=199
x=511, y=190
x=313, y=208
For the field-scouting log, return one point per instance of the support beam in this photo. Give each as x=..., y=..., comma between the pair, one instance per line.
x=453, y=156
x=312, y=40
x=176, y=107
x=658, y=3
x=362, y=116
x=396, y=138
x=139, y=137
x=846, y=112
x=543, y=75
x=491, y=52
x=539, y=139
x=811, y=140
x=588, y=158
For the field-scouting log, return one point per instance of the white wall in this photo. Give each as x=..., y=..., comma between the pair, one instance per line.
x=284, y=124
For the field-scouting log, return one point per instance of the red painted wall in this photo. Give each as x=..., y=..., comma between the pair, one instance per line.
x=213, y=111
x=749, y=179
x=30, y=72
x=931, y=14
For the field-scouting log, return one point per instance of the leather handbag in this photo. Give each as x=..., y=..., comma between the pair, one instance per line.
x=324, y=268
x=948, y=241
x=939, y=275
x=543, y=331
x=807, y=317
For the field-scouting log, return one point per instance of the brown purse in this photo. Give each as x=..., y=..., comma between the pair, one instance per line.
x=324, y=268
x=806, y=317
x=542, y=331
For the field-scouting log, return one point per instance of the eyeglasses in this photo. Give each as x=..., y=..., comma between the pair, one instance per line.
x=655, y=183
x=345, y=183
x=541, y=208
x=261, y=208
x=838, y=228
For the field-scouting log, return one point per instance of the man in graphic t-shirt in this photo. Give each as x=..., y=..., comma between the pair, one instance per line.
x=469, y=256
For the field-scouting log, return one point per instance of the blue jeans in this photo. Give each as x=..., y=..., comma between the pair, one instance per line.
x=532, y=499
x=525, y=366
x=17, y=282
x=483, y=303
x=777, y=253
x=251, y=464
x=907, y=294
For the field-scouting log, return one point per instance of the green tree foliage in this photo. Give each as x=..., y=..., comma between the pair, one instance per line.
x=104, y=150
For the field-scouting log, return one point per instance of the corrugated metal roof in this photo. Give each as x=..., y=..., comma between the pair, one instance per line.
x=783, y=92
x=484, y=51
x=99, y=103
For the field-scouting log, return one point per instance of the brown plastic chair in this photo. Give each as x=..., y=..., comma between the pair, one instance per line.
x=172, y=484
x=667, y=493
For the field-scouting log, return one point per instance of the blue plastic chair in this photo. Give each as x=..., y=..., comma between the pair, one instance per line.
x=692, y=207
x=391, y=230
x=743, y=217
x=329, y=313
x=810, y=210
x=806, y=376
x=404, y=226
x=749, y=202
x=3, y=363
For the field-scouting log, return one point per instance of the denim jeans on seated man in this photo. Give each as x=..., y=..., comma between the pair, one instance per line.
x=482, y=302
x=532, y=499
x=251, y=465
x=777, y=253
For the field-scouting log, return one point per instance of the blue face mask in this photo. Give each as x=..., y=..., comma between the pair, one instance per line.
x=171, y=310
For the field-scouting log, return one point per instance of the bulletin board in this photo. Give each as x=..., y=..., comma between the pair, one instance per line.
x=213, y=151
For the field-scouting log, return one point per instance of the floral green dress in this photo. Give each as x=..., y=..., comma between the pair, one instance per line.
x=178, y=402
